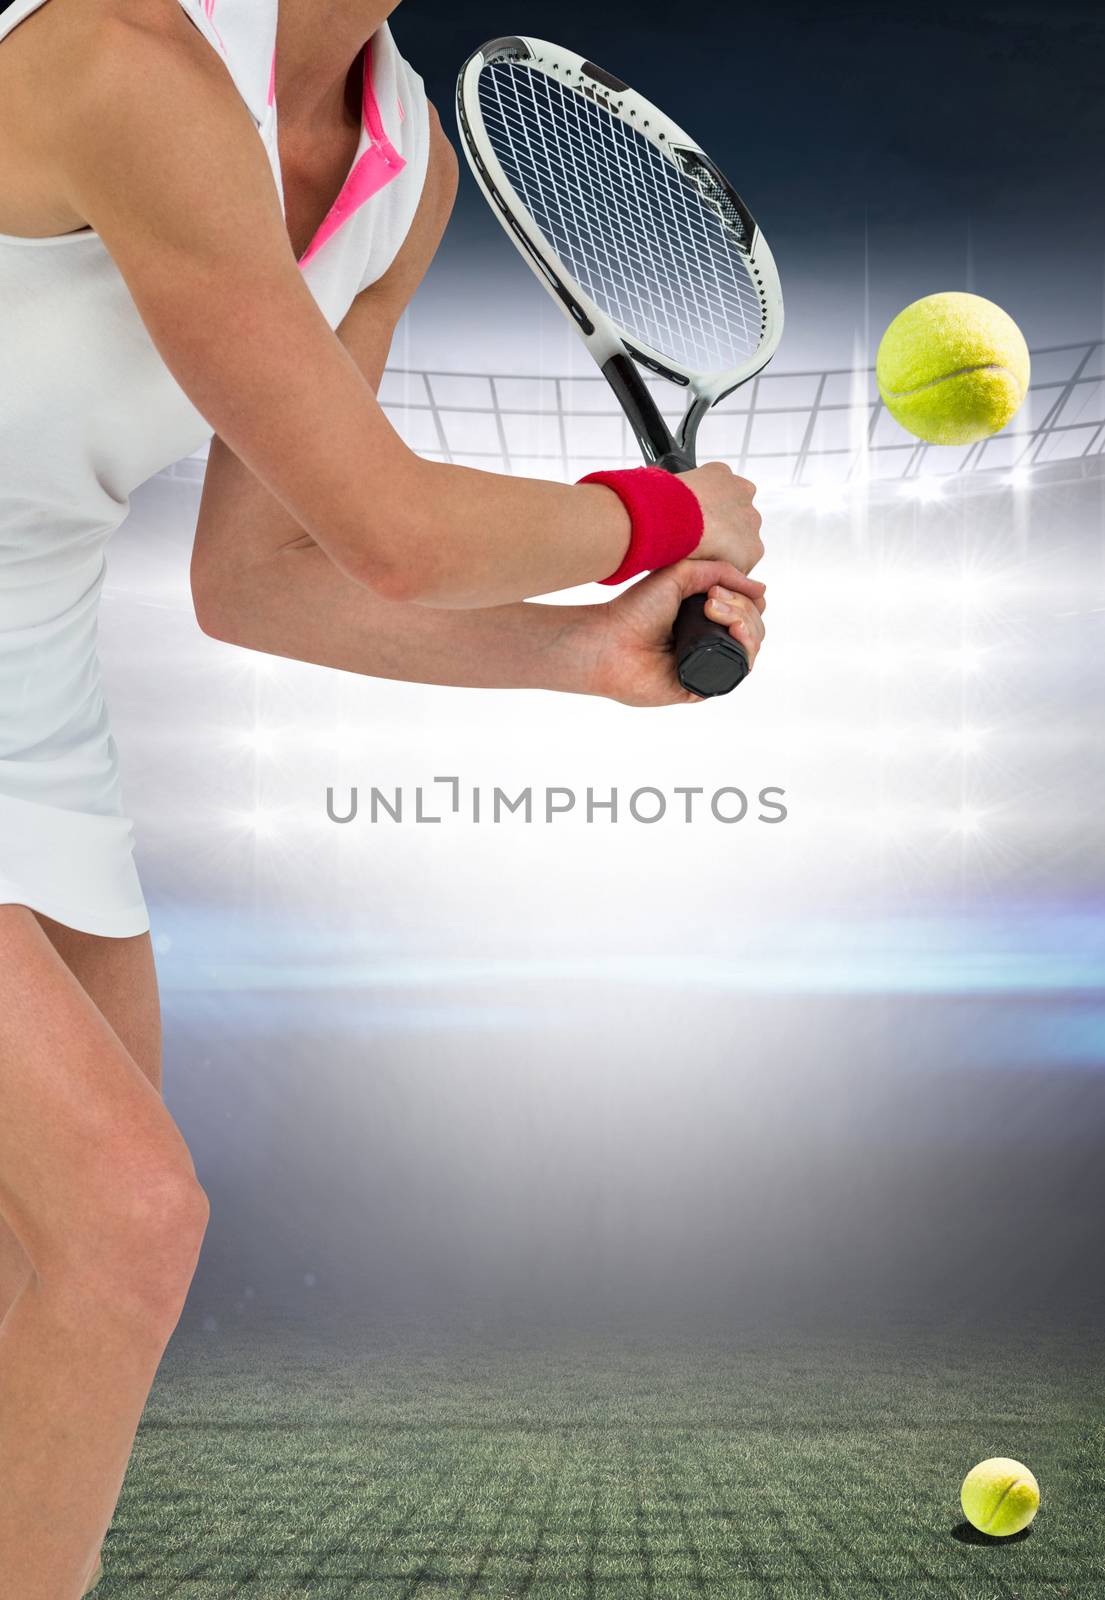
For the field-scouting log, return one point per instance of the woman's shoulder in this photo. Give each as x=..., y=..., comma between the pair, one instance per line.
x=239, y=34
x=68, y=73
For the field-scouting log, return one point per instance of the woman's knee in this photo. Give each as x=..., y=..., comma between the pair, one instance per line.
x=133, y=1252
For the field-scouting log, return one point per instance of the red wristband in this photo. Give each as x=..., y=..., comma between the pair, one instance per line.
x=666, y=517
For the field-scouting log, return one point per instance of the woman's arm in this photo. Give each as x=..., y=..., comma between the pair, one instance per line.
x=260, y=582
x=154, y=148
x=296, y=603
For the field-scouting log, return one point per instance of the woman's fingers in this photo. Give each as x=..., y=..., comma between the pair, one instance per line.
x=696, y=576
x=743, y=588
x=732, y=598
x=741, y=614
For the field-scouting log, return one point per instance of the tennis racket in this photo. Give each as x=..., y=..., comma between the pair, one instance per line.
x=644, y=245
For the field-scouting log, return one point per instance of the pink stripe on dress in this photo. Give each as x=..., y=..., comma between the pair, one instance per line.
x=373, y=171
x=209, y=13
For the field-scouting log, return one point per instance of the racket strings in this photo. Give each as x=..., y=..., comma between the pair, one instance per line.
x=625, y=270
x=643, y=240
x=626, y=263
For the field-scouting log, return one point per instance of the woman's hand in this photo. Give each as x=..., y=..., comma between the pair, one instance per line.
x=626, y=643
x=732, y=523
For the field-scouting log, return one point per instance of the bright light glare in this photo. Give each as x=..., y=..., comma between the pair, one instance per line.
x=886, y=660
x=926, y=490
x=1020, y=477
x=826, y=497
x=831, y=499
x=967, y=659
x=260, y=822
x=969, y=740
x=972, y=588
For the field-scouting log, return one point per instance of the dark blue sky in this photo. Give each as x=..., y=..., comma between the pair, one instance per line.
x=886, y=152
x=835, y=109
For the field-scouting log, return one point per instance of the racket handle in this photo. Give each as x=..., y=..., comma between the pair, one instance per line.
x=708, y=659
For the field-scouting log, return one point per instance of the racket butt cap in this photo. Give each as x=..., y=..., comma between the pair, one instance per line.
x=713, y=670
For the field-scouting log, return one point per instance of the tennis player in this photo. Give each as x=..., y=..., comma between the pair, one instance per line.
x=212, y=214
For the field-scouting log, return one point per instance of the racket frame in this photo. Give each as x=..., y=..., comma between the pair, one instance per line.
x=618, y=353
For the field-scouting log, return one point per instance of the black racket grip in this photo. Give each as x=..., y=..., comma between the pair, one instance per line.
x=708, y=659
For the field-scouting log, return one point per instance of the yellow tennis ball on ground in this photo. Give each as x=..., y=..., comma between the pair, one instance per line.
x=1000, y=1497
x=953, y=368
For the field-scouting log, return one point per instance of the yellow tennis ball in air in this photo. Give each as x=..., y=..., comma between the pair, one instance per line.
x=953, y=368
x=1000, y=1496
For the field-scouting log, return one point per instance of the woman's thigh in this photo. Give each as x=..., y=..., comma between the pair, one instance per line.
x=82, y=1125
x=119, y=977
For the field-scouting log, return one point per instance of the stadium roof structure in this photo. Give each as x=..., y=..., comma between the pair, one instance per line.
x=783, y=429
x=789, y=431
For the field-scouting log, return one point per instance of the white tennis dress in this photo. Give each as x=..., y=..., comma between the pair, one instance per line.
x=88, y=412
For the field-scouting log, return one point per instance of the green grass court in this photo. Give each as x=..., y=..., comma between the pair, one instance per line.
x=387, y=1467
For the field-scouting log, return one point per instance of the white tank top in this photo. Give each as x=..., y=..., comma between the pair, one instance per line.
x=88, y=412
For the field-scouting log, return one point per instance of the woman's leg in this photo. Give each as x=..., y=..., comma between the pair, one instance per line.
x=119, y=977
x=99, y=1189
